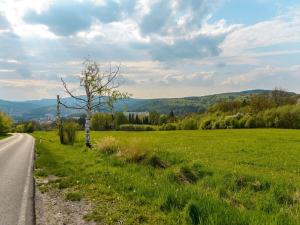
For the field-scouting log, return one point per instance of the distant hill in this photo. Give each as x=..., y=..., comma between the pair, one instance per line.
x=38, y=109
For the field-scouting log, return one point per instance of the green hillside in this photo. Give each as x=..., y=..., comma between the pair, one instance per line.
x=37, y=109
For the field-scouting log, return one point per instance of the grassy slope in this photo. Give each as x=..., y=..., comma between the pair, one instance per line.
x=244, y=177
x=2, y=136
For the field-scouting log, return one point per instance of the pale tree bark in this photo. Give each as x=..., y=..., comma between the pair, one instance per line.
x=101, y=91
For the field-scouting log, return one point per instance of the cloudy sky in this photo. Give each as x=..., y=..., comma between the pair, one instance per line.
x=166, y=48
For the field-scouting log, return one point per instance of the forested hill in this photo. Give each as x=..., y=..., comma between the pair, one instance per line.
x=37, y=109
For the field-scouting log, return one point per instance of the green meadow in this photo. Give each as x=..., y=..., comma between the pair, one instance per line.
x=217, y=177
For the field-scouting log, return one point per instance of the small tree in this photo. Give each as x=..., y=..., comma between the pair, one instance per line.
x=101, y=91
x=5, y=123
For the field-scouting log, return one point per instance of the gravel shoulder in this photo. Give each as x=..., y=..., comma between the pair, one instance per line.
x=51, y=208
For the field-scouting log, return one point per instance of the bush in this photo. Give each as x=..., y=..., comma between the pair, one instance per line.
x=250, y=123
x=244, y=120
x=27, y=127
x=119, y=119
x=5, y=123
x=20, y=128
x=168, y=126
x=131, y=127
x=108, y=145
x=189, y=124
x=68, y=133
x=231, y=122
x=207, y=123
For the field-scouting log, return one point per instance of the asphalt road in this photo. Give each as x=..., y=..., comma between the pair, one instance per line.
x=16, y=180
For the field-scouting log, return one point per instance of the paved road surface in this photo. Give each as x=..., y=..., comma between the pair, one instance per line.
x=16, y=181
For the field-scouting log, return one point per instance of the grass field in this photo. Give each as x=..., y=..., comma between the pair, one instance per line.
x=224, y=177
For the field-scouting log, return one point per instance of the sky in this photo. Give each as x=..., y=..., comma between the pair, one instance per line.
x=166, y=48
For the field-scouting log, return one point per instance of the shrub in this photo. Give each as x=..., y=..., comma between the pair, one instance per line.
x=231, y=122
x=119, y=119
x=108, y=145
x=168, y=126
x=207, y=123
x=20, y=128
x=29, y=127
x=5, y=123
x=189, y=124
x=244, y=120
x=250, y=123
x=69, y=133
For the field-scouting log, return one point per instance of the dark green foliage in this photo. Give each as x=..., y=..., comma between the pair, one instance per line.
x=68, y=132
x=168, y=126
x=102, y=121
x=29, y=127
x=189, y=123
x=119, y=119
x=26, y=127
x=5, y=123
x=154, y=118
x=209, y=123
x=163, y=119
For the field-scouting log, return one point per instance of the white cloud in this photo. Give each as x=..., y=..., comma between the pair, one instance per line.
x=280, y=30
x=268, y=75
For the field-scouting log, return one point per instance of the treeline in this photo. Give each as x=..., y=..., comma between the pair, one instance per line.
x=275, y=109
x=278, y=109
x=106, y=121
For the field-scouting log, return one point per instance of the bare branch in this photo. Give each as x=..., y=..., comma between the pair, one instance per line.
x=70, y=93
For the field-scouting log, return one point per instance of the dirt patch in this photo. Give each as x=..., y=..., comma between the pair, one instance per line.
x=53, y=209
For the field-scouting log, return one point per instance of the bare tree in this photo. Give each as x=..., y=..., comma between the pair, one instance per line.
x=101, y=91
x=59, y=123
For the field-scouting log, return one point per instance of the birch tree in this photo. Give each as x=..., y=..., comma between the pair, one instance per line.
x=101, y=91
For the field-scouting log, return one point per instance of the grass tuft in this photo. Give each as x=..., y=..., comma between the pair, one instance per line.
x=108, y=145
x=73, y=196
x=156, y=162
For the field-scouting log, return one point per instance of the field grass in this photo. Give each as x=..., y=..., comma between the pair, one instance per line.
x=222, y=177
x=2, y=136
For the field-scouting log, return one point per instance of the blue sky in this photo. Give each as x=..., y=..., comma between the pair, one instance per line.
x=165, y=48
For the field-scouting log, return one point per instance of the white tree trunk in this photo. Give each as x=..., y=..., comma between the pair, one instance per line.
x=87, y=129
x=87, y=132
